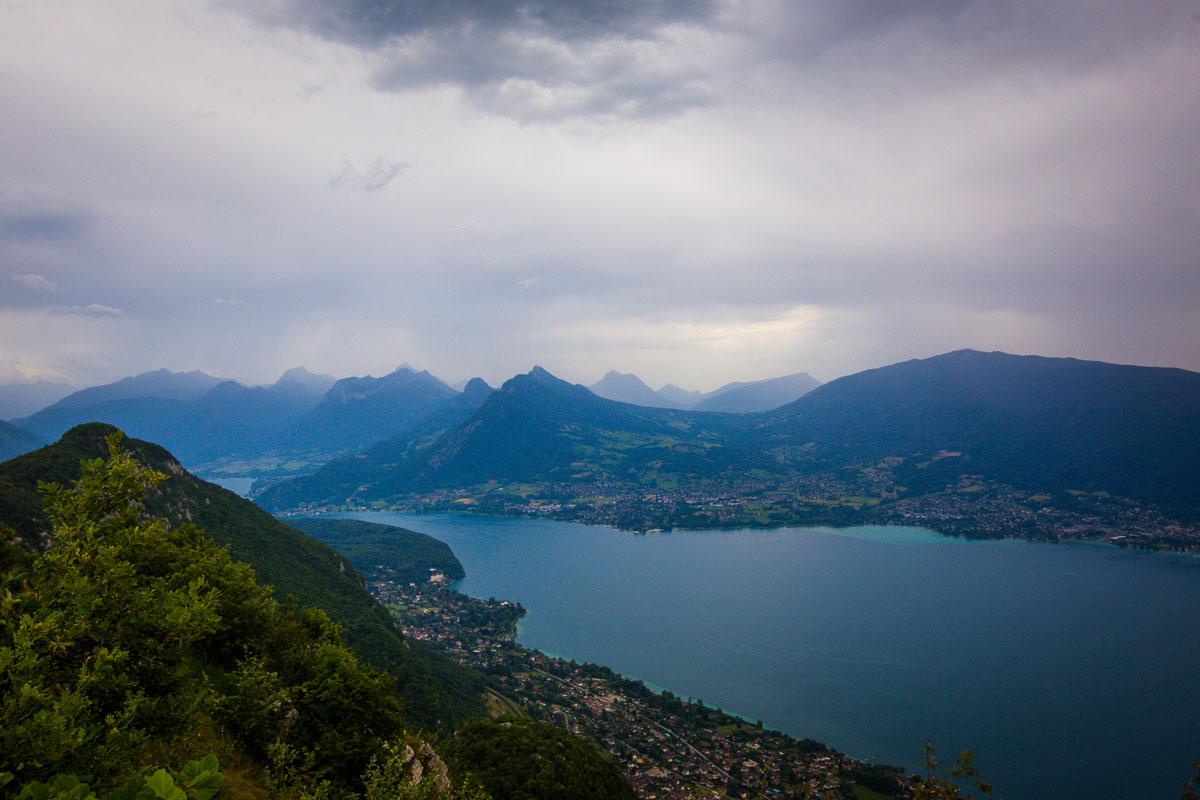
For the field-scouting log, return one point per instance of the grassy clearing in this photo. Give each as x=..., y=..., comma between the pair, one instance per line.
x=500, y=706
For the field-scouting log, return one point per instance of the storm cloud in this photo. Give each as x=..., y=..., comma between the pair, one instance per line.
x=697, y=192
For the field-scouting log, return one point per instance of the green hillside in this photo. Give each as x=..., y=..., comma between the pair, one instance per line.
x=437, y=692
x=384, y=551
x=138, y=661
x=1050, y=424
x=131, y=644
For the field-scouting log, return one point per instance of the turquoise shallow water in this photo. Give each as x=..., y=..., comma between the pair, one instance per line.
x=1072, y=671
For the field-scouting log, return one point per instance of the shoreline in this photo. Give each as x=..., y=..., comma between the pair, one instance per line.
x=1190, y=552
x=706, y=734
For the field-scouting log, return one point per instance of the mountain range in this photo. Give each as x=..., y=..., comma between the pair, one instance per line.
x=301, y=416
x=737, y=397
x=1047, y=424
x=305, y=419
x=536, y=427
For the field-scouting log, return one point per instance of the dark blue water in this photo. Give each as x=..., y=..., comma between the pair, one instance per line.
x=1072, y=671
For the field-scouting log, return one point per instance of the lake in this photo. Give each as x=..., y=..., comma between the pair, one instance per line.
x=1072, y=671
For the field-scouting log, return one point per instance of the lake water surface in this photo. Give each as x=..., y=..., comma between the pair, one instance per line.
x=1072, y=671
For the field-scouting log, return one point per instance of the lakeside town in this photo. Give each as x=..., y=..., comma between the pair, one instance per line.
x=667, y=746
x=966, y=505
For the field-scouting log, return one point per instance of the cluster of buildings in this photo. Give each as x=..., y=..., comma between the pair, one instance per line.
x=668, y=747
x=979, y=508
x=972, y=507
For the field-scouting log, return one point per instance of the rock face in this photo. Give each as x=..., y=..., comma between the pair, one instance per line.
x=412, y=763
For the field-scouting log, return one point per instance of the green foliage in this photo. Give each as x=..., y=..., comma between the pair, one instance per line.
x=437, y=691
x=936, y=786
x=405, y=555
x=162, y=786
x=198, y=780
x=128, y=635
x=202, y=778
x=526, y=760
x=62, y=787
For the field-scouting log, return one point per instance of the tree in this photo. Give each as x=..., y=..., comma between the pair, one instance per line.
x=528, y=760
x=936, y=786
x=129, y=640
x=1192, y=790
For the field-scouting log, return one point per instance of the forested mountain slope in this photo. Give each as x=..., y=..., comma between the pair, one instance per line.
x=437, y=691
x=1045, y=423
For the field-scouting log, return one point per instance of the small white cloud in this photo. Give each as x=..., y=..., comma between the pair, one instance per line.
x=103, y=311
x=227, y=301
x=37, y=283
x=91, y=310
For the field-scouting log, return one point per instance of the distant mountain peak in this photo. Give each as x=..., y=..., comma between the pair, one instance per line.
x=750, y=396
x=297, y=373
x=680, y=397
x=301, y=378
x=160, y=383
x=625, y=387
x=476, y=387
x=540, y=380
x=623, y=377
x=542, y=374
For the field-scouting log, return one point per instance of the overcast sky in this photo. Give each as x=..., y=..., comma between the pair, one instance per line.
x=696, y=192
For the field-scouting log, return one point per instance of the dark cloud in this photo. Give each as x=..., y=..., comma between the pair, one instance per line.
x=613, y=59
x=378, y=22
x=532, y=61
x=546, y=79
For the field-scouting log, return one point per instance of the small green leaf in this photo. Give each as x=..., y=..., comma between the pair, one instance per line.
x=202, y=778
x=34, y=790
x=163, y=786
